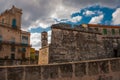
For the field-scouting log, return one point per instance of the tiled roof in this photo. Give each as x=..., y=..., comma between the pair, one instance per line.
x=102, y=26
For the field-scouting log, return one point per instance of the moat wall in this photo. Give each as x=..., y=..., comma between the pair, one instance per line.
x=106, y=69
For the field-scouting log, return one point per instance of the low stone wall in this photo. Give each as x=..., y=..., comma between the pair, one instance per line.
x=105, y=69
x=17, y=62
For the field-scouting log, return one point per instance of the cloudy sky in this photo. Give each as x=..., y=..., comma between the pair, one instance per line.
x=39, y=15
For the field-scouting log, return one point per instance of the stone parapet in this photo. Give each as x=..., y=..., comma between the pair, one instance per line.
x=104, y=69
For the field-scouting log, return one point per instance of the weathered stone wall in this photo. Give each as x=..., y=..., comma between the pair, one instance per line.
x=106, y=69
x=75, y=44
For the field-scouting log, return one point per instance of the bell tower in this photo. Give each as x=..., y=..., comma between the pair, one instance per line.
x=44, y=39
x=11, y=18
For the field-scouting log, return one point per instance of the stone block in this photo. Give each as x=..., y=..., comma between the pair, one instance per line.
x=80, y=69
x=103, y=66
x=15, y=73
x=115, y=65
x=33, y=73
x=2, y=73
x=49, y=72
x=93, y=68
x=66, y=70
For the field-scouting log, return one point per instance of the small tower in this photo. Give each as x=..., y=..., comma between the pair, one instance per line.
x=44, y=39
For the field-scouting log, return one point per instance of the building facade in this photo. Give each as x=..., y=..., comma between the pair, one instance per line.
x=14, y=43
x=110, y=37
x=83, y=42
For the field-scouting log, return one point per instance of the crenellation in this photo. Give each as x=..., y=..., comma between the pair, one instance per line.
x=79, y=29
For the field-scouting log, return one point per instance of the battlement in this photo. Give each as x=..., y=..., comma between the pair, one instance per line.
x=78, y=28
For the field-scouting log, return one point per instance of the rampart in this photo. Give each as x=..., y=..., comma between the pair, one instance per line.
x=75, y=44
x=104, y=69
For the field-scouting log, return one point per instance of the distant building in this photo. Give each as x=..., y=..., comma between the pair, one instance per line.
x=83, y=42
x=32, y=53
x=14, y=43
x=44, y=52
x=110, y=37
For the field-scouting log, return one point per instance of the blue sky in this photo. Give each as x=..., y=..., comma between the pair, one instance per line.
x=86, y=15
x=94, y=14
x=39, y=15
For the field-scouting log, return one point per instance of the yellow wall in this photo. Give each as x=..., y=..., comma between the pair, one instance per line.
x=44, y=55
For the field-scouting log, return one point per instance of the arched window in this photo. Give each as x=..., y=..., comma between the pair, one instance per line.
x=14, y=23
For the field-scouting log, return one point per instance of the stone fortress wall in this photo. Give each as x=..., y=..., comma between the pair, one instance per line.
x=105, y=69
x=76, y=44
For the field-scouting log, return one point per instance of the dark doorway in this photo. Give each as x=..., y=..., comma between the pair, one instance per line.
x=115, y=53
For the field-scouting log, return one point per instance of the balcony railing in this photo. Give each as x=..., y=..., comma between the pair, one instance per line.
x=8, y=26
x=14, y=43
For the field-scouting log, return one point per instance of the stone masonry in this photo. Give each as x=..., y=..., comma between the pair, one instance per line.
x=75, y=44
x=105, y=69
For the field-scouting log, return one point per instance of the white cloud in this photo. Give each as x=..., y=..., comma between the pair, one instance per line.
x=55, y=8
x=49, y=36
x=62, y=11
x=99, y=12
x=43, y=24
x=76, y=19
x=116, y=17
x=96, y=19
x=88, y=13
x=35, y=40
x=73, y=19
